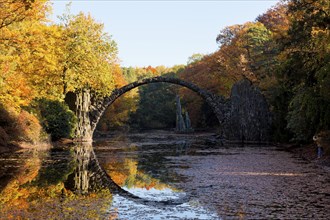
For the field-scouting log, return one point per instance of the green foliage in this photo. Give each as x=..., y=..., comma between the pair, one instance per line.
x=156, y=107
x=57, y=119
x=57, y=172
x=130, y=74
x=305, y=68
x=308, y=113
x=195, y=58
x=279, y=101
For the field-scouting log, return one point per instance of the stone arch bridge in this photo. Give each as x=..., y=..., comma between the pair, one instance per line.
x=246, y=108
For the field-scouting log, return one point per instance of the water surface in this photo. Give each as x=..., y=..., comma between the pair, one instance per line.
x=165, y=176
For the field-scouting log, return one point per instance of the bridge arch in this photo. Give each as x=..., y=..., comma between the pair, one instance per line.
x=214, y=101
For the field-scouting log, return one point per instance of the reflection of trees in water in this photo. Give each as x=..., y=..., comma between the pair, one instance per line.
x=19, y=166
x=63, y=184
x=56, y=167
x=38, y=189
x=154, y=161
x=88, y=176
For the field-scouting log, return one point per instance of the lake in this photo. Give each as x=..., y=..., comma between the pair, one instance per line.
x=161, y=175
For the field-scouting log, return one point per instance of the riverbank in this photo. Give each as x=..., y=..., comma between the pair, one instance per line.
x=309, y=153
x=12, y=147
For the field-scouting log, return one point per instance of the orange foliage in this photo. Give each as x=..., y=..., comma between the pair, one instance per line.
x=14, y=196
x=30, y=127
x=118, y=77
x=21, y=126
x=23, y=48
x=210, y=74
x=151, y=69
x=19, y=10
x=124, y=170
x=276, y=20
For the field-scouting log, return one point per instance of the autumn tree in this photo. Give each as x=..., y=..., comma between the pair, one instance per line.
x=248, y=50
x=28, y=56
x=276, y=20
x=89, y=55
x=88, y=64
x=195, y=58
x=208, y=73
x=305, y=70
x=25, y=47
x=117, y=115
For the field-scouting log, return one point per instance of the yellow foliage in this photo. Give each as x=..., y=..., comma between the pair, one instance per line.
x=28, y=52
x=89, y=55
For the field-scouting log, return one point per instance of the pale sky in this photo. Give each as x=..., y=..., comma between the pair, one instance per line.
x=165, y=32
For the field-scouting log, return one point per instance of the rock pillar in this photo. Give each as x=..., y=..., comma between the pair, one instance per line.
x=83, y=105
x=249, y=116
x=180, y=124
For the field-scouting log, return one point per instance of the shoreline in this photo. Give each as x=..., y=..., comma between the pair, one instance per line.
x=12, y=147
x=308, y=153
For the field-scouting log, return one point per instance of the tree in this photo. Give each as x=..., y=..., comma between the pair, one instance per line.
x=88, y=65
x=25, y=47
x=156, y=107
x=117, y=115
x=306, y=58
x=89, y=55
x=16, y=11
x=244, y=49
x=195, y=58
x=276, y=20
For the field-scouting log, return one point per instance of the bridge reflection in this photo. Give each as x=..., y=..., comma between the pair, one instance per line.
x=66, y=182
x=88, y=176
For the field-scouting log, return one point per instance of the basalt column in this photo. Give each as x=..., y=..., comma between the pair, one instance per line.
x=83, y=105
x=180, y=124
x=249, y=116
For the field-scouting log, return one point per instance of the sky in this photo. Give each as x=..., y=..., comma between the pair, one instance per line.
x=165, y=32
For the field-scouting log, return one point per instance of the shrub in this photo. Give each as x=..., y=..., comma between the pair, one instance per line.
x=28, y=127
x=18, y=125
x=57, y=119
x=308, y=113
